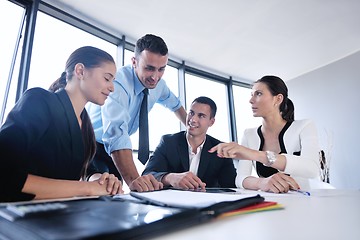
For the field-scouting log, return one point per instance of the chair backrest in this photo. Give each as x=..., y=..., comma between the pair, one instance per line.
x=324, y=167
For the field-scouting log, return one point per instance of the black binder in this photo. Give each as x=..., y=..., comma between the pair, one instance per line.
x=104, y=218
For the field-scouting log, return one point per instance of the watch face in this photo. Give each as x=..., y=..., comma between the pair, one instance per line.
x=271, y=157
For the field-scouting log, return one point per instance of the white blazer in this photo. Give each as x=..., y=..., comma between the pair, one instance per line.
x=302, y=137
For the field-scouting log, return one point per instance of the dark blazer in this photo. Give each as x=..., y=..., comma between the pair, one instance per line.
x=172, y=156
x=41, y=136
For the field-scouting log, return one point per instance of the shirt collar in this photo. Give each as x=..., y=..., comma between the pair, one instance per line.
x=137, y=83
x=199, y=148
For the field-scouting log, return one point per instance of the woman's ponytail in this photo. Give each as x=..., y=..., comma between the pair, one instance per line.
x=59, y=83
x=287, y=110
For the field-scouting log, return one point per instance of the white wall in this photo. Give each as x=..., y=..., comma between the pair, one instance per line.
x=330, y=96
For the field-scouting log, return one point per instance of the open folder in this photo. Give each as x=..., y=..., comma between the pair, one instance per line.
x=188, y=199
x=114, y=218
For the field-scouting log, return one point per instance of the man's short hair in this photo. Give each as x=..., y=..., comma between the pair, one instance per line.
x=208, y=101
x=151, y=43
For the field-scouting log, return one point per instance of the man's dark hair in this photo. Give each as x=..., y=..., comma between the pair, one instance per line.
x=151, y=43
x=208, y=101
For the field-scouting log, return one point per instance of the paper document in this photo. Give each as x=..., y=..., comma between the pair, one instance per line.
x=187, y=199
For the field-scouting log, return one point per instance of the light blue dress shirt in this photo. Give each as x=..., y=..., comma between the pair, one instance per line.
x=118, y=118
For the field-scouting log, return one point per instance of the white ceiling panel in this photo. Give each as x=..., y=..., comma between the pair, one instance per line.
x=239, y=38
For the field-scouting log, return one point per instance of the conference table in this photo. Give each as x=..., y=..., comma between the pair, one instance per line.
x=325, y=214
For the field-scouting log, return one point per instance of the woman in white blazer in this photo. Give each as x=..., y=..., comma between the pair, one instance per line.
x=281, y=149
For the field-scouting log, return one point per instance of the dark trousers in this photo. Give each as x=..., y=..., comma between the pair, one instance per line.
x=102, y=162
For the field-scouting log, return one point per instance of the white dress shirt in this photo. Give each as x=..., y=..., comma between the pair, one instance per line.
x=194, y=158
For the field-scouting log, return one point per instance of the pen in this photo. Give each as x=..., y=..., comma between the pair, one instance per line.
x=302, y=192
x=292, y=188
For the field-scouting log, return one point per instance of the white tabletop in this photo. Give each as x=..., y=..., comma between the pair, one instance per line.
x=326, y=214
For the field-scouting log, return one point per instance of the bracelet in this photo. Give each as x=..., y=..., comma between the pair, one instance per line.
x=271, y=157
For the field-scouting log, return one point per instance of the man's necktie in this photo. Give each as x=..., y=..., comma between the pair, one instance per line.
x=143, y=153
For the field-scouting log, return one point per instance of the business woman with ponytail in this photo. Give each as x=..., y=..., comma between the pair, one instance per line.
x=47, y=139
x=281, y=149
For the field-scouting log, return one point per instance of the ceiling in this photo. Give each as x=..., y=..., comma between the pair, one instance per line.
x=245, y=39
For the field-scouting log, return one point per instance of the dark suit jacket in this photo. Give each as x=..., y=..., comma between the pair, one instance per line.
x=172, y=156
x=41, y=136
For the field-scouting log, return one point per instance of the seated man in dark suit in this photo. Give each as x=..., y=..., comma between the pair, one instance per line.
x=182, y=160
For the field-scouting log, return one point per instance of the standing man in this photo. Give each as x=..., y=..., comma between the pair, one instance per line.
x=182, y=160
x=118, y=118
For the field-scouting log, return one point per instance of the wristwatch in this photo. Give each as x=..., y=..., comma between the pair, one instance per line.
x=271, y=157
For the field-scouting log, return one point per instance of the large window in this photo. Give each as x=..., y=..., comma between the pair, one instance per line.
x=10, y=22
x=197, y=86
x=54, y=41
x=243, y=113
